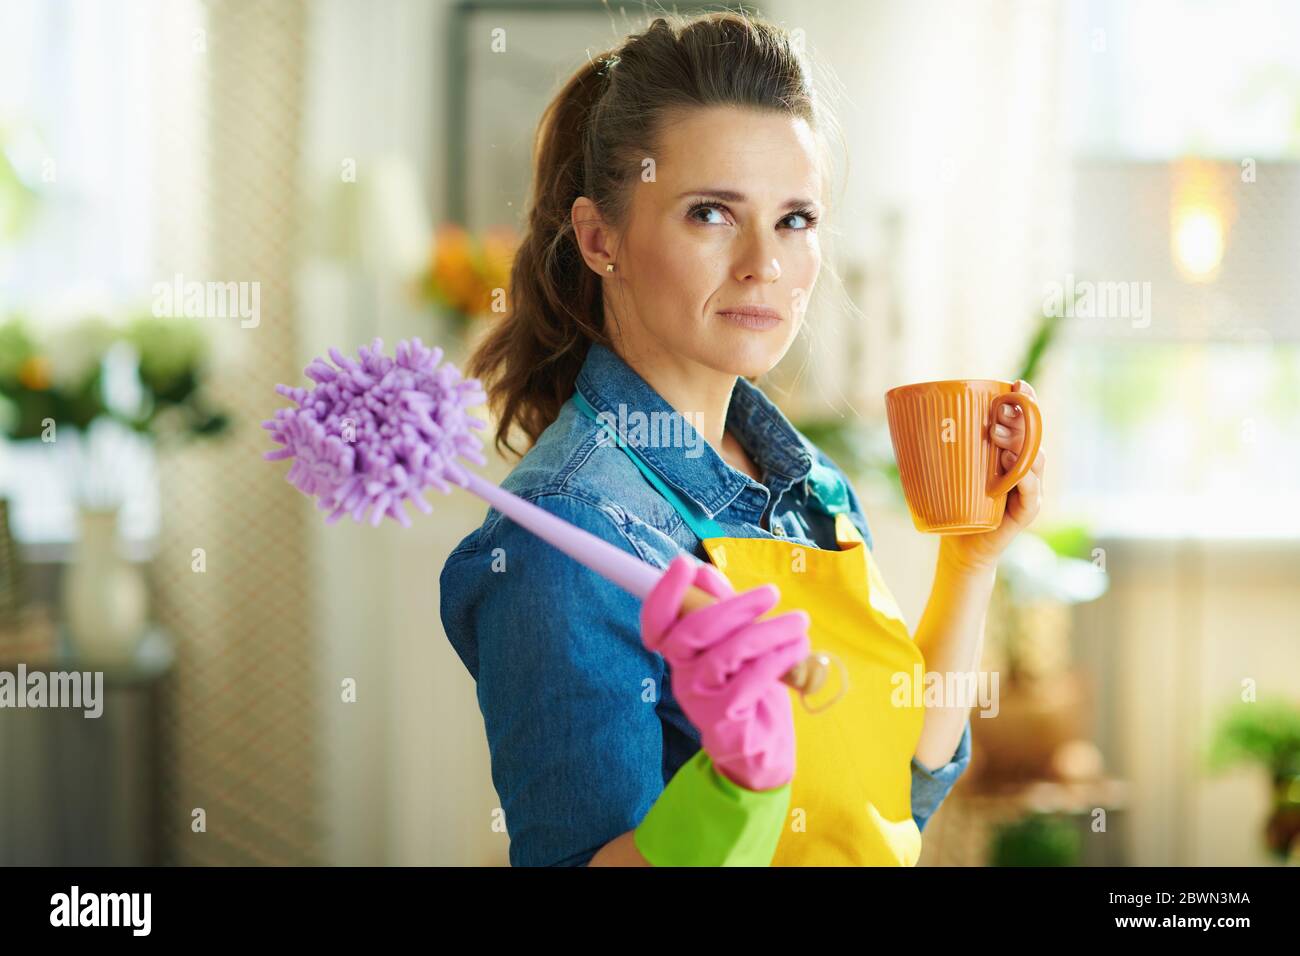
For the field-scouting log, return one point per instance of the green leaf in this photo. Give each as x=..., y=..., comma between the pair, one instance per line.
x=1264, y=732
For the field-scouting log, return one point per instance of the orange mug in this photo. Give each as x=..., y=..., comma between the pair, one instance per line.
x=946, y=457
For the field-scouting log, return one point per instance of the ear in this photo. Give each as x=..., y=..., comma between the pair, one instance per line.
x=595, y=239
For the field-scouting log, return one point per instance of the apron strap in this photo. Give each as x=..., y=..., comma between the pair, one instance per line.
x=829, y=493
x=700, y=524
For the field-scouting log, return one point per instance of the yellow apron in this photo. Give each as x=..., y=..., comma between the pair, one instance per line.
x=851, y=796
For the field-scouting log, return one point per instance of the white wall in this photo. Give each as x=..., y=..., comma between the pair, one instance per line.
x=949, y=116
x=407, y=775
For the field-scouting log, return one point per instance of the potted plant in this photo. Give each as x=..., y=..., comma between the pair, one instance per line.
x=53, y=396
x=1267, y=734
x=1038, y=839
x=171, y=356
x=51, y=377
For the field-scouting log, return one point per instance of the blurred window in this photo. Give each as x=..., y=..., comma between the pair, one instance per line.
x=77, y=157
x=1183, y=364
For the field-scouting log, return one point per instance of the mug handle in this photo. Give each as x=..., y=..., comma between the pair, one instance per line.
x=999, y=485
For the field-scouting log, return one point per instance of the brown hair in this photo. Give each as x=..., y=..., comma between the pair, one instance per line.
x=590, y=142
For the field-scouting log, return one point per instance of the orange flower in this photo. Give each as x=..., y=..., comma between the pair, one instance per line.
x=453, y=267
x=465, y=273
x=498, y=256
x=34, y=373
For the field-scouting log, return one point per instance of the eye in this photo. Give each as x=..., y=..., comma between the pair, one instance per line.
x=807, y=215
x=715, y=206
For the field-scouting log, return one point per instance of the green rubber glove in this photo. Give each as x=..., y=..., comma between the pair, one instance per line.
x=704, y=819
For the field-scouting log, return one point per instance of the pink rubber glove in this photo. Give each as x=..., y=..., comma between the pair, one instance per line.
x=726, y=669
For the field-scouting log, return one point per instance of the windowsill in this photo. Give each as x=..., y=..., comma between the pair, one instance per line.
x=1270, y=537
x=1236, y=519
x=1219, y=555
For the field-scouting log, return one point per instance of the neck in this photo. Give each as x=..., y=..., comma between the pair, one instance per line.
x=698, y=393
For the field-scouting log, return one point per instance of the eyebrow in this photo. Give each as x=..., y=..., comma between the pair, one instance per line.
x=730, y=195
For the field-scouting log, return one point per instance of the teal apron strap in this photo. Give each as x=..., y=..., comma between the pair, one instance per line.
x=702, y=525
x=829, y=494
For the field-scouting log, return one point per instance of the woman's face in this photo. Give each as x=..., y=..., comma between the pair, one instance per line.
x=727, y=221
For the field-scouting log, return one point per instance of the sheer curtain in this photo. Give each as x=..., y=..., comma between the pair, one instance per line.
x=245, y=703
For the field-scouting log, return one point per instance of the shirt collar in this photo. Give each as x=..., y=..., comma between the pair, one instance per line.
x=607, y=382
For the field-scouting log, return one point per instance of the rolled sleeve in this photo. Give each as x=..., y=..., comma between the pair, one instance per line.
x=931, y=787
x=567, y=690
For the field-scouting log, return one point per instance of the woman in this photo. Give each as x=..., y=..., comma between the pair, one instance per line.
x=671, y=247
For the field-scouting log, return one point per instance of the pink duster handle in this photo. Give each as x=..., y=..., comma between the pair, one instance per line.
x=616, y=565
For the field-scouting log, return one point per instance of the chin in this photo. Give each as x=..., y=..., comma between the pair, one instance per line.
x=750, y=359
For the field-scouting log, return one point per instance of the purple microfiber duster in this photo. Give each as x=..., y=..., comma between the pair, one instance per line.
x=375, y=434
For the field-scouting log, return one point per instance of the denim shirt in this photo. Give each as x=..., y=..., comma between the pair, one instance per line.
x=582, y=725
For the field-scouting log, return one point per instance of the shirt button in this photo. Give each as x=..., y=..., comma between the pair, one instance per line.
x=778, y=529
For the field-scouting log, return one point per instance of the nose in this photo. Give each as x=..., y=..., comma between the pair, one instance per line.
x=758, y=262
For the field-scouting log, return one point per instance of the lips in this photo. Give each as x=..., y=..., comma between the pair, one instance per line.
x=754, y=311
x=756, y=318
